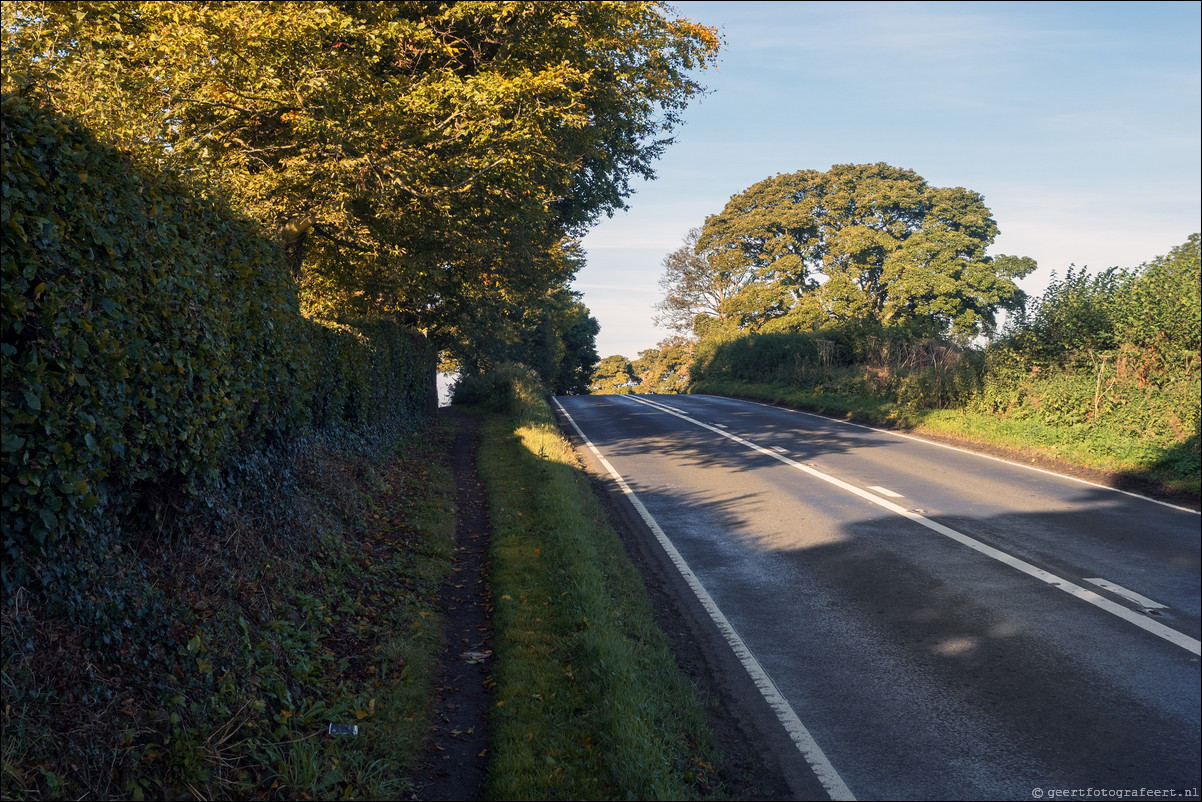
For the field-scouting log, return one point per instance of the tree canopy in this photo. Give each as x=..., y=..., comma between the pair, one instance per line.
x=614, y=374
x=431, y=162
x=862, y=242
x=665, y=368
x=699, y=286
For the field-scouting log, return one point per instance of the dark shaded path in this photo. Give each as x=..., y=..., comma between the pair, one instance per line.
x=459, y=739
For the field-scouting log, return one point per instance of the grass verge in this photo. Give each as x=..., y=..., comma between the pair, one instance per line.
x=590, y=703
x=1174, y=472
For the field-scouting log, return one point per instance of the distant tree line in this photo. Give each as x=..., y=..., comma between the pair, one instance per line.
x=663, y=369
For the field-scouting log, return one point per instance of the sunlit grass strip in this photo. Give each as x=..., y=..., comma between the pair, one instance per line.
x=1097, y=447
x=590, y=703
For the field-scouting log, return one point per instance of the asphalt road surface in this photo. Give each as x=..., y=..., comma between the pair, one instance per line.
x=923, y=622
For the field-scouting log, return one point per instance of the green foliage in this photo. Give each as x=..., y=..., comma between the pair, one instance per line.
x=860, y=242
x=150, y=339
x=665, y=368
x=560, y=341
x=1155, y=309
x=507, y=389
x=1119, y=349
x=556, y=337
x=853, y=359
x=1076, y=315
x=1162, y=309
x=614, y=375
x=574, y=369
x=430, y=162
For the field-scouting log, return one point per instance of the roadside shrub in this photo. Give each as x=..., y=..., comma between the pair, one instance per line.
x=1076, y=315
x=508, y=389
x=1156, y=308
x=1121, y=350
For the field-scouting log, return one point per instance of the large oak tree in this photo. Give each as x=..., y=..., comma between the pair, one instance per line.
x=865, y=241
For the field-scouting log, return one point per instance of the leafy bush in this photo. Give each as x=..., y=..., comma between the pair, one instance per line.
x=1120, y=349
x=509, y=389
x=1075, y=315
x=1156, y=308
x=1163, y=306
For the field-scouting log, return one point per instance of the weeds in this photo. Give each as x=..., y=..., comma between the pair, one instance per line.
x=232, y=651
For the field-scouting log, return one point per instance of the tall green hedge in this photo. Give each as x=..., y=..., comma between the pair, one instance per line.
x=150, y=336
x=854, y=359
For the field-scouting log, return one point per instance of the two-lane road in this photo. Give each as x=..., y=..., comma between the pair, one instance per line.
x=937, y=624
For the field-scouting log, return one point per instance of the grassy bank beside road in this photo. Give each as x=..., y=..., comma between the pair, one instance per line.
x=589, y=701
x=1124, y=458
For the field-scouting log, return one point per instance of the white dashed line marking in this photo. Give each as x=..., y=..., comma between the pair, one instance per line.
x=1131, y=595
x=918, y=516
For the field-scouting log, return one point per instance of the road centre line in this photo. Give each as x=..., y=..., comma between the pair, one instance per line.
x=1142, y=601
x=962, y=451
x=884, y=491
x=1154, y=627
x=805, y=743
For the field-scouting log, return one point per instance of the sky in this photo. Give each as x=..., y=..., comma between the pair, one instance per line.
x=1079, y=123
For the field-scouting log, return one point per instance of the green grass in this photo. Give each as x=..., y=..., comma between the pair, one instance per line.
x=319, y=607
x=1114, y=450
x=589, y=701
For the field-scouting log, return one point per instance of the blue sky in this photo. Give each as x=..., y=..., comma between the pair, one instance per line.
x=1079, y=123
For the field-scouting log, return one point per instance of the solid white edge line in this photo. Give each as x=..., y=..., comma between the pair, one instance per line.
x=884, y=491
x=805, y=743
x=1141, y=600
x=954, y=448
x=1154, y=627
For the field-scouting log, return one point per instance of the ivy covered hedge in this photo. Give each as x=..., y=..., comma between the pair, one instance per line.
x=150, y=337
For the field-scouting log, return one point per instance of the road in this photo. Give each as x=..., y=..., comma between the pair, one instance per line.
x=929, y=623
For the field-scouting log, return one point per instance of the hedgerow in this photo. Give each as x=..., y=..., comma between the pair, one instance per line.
x=851, y=359
x=151, y=344
x=1121, y=349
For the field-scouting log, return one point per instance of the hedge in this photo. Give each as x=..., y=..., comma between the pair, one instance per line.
x=151, y=336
